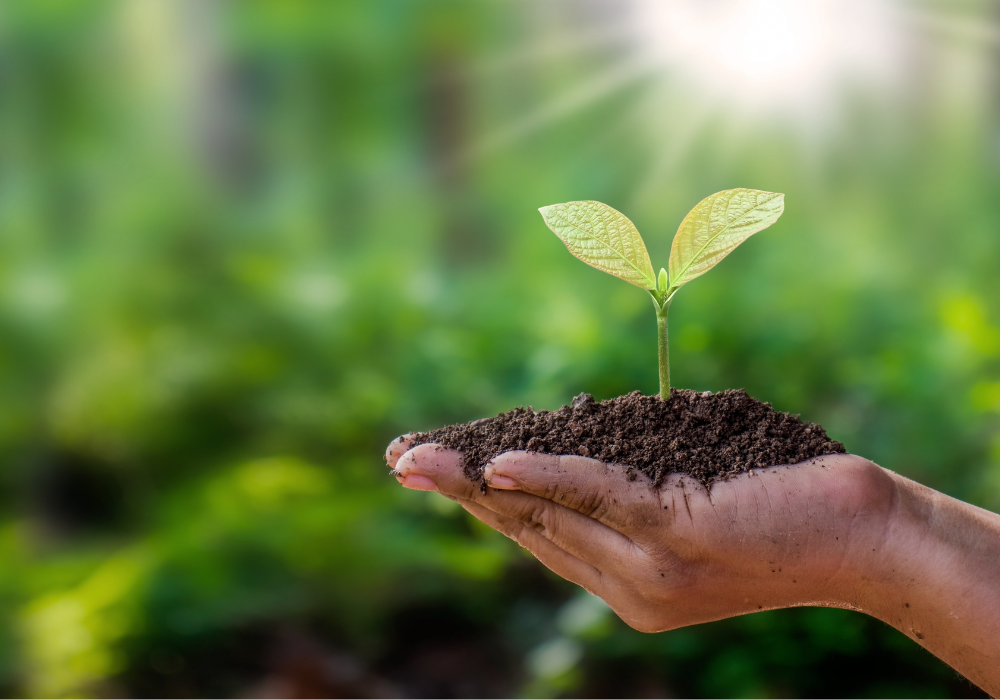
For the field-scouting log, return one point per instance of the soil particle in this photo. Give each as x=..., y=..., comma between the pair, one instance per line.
x=707, y=436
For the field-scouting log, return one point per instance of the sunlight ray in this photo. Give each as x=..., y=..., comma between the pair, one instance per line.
x=687, y=126
x=592, y=90
x=630, y=117
x=545, y=50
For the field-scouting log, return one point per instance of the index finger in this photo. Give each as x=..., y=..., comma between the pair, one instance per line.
x=606, y=492
x=396, y=449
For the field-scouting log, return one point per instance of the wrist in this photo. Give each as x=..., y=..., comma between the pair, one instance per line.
x=933, y=577
x=907, y=559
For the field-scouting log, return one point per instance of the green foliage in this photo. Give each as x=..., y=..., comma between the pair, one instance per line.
x=604, y=238
x=227, y=281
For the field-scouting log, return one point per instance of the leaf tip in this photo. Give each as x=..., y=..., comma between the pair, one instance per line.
x=547, y=210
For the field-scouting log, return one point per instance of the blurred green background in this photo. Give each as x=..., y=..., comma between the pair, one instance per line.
x=244, y=245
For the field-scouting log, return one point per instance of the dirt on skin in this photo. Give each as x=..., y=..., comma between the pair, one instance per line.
x=707, y=436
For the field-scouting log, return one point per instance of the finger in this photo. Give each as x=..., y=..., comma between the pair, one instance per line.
x=396, y=449
x=429, y=463
x=548, y=553
x=573, y=532
x=583, y=537
x=598, y=490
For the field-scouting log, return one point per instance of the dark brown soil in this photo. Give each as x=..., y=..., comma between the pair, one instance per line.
x=707, y=436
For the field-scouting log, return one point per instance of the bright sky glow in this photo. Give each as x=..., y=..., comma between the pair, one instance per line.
x=770, y=52
x=767, y=39
x=794, y=62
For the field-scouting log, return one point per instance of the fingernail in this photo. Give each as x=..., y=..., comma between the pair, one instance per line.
x=502, y=482
x=417, y=482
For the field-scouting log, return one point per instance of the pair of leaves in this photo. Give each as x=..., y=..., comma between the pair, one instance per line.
x=605, y=238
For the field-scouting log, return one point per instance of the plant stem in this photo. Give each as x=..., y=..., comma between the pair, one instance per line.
x=662, y=341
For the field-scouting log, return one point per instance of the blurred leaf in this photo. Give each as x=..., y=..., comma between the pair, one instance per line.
x=718, y=224
x=195, y=310
x=603, y=238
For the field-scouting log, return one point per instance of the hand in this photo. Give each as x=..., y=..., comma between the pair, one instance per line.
x=681, y=554
x=836, y=531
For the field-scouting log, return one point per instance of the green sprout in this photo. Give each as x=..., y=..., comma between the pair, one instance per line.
x=604, y=238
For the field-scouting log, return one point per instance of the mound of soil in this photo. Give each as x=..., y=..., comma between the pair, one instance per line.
x=707, y=436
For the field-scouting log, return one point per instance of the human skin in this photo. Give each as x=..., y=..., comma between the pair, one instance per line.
x=836, y=531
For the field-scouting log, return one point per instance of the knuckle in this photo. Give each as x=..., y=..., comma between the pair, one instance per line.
x=467, y=490
x=458, y=489
x=521, y=535
x=511, y=529
x=594, y=504
x=539, y=519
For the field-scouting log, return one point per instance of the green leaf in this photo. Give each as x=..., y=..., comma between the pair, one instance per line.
x=662, y=285
x=602, y=238
x=714, y=228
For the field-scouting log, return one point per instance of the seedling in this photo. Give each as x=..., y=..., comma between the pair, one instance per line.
x=604, y=238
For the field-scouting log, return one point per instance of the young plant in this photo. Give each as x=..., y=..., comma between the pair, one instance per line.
x=604, y=238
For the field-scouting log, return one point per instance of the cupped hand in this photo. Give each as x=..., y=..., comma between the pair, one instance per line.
x=678, y=554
